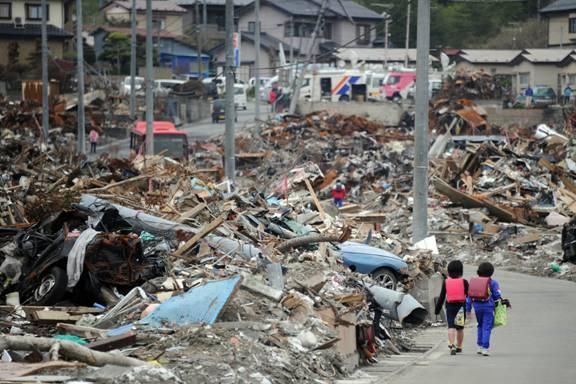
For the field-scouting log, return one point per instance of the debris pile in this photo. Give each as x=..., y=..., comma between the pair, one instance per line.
x=261, y=281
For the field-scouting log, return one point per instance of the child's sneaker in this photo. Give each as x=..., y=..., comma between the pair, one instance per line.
x=485, y=352
x=479, y=350
x=458, y=350
x=452, y=350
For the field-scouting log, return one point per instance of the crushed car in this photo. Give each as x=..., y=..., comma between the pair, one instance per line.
x=81, y=255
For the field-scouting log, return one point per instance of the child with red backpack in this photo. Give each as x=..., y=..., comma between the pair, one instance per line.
x=482, y=295
x=454, y=291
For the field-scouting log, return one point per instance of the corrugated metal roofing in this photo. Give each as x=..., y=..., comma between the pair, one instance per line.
x=503, y=56
x=559, y=6
x=157, y=5
x=238, y=3
x=547, y=55
x=378, y=54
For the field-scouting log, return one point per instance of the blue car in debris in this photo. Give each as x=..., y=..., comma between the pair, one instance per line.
x=384, y=267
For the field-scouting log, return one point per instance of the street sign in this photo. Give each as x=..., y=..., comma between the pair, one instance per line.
x=236, y=44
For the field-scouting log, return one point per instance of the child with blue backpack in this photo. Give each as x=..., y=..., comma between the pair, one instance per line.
x=483, y=292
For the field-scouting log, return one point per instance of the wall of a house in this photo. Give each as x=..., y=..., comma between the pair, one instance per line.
x=558, y=30
x=27, y=47
x=56, y=12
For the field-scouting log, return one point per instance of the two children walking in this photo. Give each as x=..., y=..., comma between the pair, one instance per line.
x=482, y=294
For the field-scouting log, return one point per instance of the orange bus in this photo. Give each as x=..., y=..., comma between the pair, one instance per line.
x=167, y=139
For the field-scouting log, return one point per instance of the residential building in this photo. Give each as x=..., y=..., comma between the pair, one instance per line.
x=20, y=28
x=269, y=55
x=292, y=22
x=550, y=67
x=561, y=18
x=173, y=53
x=166, y=15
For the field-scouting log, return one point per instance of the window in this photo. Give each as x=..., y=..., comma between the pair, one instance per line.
x=572, y=79
x=34, y=12
x=5, y=11
x=362, y=34
x=524, y=79
x=158, y=24
x=327, y=31
x=572, y=25
x=252, y=26
x=301, y=29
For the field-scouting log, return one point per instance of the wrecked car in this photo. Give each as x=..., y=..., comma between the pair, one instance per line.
x=79, y=255
x=384, y=267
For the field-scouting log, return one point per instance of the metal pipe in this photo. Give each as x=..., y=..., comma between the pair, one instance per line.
x=45, y=83
x=149, y=82
x=133, y=43
x=229, y=150
x=420, y=211
x=80, y=58
x=406, y=59
x=257, y=60
x=398, y=306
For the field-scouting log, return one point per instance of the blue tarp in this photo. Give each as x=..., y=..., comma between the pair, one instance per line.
x=200, y=305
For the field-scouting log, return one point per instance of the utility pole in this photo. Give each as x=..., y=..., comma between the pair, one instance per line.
x=302, y=74
x=257, y=60
x=386, y=27
x=420, y=210
x=133, y=43
x=45, y=84
x=229, y=150
x=406, y=60
x=149, y=82
x=198, y=37
x=204, y=13
x=80, y=59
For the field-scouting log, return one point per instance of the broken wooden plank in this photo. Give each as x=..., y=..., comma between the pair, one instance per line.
x=114, y=342
x=190, y=214
x=12, y=370
x=255, y=286
x=119, y=183
x=315, y=199
x=183, y=249
x=53, y=317
x=81, y=331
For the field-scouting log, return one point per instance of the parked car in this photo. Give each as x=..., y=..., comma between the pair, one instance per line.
x=543, y=97
x=240, y=97
x=219, y=111
x=384, y=267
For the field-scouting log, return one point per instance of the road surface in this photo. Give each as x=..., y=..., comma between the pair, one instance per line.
x=536, y=347
x=201, y=130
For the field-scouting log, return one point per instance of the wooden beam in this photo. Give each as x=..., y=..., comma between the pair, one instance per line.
x=191, y=213
x=115, y=342
x=315, y=199
x=198, y=236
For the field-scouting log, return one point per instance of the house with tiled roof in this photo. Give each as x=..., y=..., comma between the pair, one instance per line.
x=167, y=15
x=561, y=18
x=20, y=29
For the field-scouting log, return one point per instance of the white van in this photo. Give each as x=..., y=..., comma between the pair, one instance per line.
x=139, y=85
x=240, y=97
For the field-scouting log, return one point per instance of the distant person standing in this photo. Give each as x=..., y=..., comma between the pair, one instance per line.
x=529, y=93
x=567, y=94
x=93, y=137
x=339, y=194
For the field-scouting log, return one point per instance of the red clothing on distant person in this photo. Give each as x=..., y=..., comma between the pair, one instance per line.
x=339, y=193
x=272, y=96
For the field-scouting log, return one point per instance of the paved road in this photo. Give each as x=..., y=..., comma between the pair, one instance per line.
x=201, y=130
x=536, y=347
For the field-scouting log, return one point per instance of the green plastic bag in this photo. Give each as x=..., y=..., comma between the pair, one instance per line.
x=500, y=314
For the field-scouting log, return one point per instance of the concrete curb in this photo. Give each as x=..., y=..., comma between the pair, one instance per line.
x=399, y=371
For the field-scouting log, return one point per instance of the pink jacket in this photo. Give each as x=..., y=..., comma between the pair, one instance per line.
x=94, y=136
